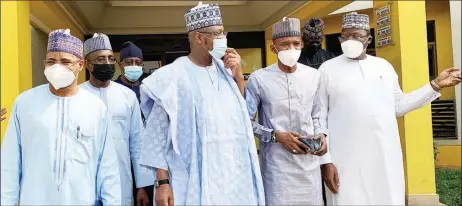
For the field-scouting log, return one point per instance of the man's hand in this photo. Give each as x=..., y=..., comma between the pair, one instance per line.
x=164, y=195
x=232, y=61
x=3, y=113
x=323, y=149
x=289, y=140
x=448, y=78
x=330, y=176
x=142, y=198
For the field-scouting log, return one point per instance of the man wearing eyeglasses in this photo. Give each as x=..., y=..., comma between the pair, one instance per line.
x=360, y=98
x=125, y=124
x=56, y=149
x=198, y=135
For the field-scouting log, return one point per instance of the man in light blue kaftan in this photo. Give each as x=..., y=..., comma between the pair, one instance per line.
x=198, y=133
x=55, y=150
x=284, y=94
x=125, y=123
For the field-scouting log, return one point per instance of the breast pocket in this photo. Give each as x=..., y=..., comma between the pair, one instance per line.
x=119, y=127
x=81, y=144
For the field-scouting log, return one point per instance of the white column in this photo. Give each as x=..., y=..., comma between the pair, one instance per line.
x=455, y=7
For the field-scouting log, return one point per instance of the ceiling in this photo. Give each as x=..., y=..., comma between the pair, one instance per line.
x=164, y=17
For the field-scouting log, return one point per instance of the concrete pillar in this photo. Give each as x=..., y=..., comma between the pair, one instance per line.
x=16, y=72
x=409, y=40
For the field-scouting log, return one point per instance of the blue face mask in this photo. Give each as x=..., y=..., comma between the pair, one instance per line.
x=133, y=73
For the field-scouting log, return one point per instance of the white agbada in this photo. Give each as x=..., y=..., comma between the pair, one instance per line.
x=286, y=102
x=125, y=127
x=360, y=101
x=55, y=151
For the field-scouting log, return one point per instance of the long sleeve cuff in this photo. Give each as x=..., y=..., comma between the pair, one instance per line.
x=432, y=93
x=157, y=162
x=263, y=133
x=145, y=177
x=325, y=159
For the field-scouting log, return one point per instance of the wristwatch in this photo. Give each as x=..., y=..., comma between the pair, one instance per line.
x=273, y=136
x=158, y=183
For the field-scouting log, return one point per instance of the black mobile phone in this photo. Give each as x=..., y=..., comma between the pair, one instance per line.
x=313, y=144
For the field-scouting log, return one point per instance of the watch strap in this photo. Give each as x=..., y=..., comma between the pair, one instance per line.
x=161, y=182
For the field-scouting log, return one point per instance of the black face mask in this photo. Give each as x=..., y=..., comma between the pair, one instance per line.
x=103, y=72
x=312, y=48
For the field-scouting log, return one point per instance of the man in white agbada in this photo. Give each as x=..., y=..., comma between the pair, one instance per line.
x=284, y=94
x=56, y=150
x=124, y=113
x=360, y=98
x=198, y=133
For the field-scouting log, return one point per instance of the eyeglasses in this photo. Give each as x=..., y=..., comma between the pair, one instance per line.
x=104, y=60
x=358, y=37
x=215, y=35
x=66, y=63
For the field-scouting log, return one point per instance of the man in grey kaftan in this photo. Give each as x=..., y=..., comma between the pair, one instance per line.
x=284, y=96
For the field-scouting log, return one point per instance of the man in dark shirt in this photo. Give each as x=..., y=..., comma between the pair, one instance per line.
x=131, y=66
x=312, y=54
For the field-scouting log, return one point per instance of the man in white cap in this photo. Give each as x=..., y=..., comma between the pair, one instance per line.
x=124, y=113
x=360, y=99
x=198, y=133
x=56, y=149
x=284, y=94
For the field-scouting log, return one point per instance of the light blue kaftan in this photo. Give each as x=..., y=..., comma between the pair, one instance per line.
x=201, y=133
x=55, y=151
x=125, y=127
x=286, y=102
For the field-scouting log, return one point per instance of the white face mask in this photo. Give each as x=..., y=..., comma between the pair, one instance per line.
x=289, y=57
x=352, y=48
x=219, y=48
x=59, y=76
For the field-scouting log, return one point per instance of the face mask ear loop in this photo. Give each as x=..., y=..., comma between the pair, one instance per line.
x=369, y=39
x=276, y=49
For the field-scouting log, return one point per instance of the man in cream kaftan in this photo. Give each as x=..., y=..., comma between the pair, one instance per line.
x=361, y=100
